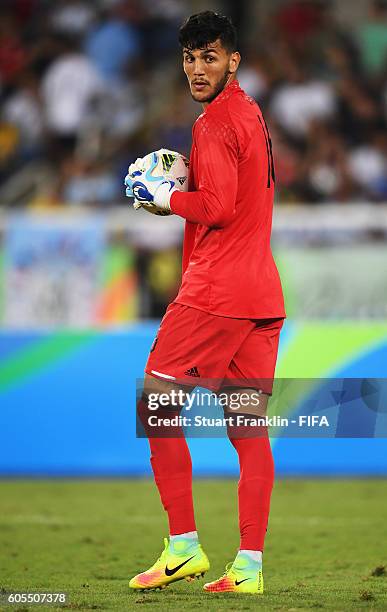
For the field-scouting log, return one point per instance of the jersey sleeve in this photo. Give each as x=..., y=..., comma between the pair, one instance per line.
x=213, y=203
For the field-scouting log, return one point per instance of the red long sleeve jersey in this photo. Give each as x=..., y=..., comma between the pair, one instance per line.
x=228, y=267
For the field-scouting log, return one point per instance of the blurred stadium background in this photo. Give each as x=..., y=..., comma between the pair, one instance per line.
x=86, y=87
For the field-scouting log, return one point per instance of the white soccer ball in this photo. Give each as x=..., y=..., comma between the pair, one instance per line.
x=174, y=167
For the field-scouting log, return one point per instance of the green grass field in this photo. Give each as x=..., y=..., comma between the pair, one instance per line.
x=326, y=547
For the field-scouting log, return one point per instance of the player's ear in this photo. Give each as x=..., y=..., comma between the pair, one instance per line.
x=235, y=58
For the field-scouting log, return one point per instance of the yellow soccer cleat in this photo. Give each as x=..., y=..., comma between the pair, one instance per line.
x=181, y=558
x=242, y=576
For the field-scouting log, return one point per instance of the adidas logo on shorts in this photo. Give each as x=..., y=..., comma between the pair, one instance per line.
x=192, y=372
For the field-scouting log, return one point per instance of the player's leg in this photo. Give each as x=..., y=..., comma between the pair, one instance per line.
x=191, y=348
x=169, y=453
x=254, y=492
x=255, y=361
x=170, y=458
x=252, y=444
x=186, y=352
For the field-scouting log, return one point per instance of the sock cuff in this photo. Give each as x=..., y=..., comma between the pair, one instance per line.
x=188, y=535
x=254, y=555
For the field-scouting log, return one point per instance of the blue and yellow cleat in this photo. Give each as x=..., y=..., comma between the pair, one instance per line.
x=181, y=558
x=242, y=576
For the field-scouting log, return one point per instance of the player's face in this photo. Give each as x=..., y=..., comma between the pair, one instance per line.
x=209, y=70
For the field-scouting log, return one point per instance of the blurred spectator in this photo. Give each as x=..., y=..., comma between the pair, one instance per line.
x=68, y=87
x=340, y=58
x=113, y=43
x=167, y=10
x=86, y=87
x=368, y=166
x=22, y=10
x=252, y=75
x=13, y=54
x=159, y=29
x=372, y=37
x=23, y=109
x=9, y=141
x=298, y=100
x=358, y=109
x=289, y=167
x=88, y=182
x=326, y=165
x=72, y=17
x=118, y=111
x=299, y=20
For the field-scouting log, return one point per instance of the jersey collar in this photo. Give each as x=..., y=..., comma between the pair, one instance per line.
x=224, y=94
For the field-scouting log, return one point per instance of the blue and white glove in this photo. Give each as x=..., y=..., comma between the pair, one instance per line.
x=129, y=179
x=146, y=187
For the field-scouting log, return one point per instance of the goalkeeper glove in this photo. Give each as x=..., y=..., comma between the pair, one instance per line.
x=144, y=187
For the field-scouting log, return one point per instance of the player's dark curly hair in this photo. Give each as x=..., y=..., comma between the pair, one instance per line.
x=199, y=30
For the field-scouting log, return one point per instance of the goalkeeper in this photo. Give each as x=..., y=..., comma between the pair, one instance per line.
x=222, y=330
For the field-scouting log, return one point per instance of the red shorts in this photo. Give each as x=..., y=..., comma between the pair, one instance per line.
x=196, y=348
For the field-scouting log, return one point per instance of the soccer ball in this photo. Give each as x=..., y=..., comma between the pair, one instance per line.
x=174, y=167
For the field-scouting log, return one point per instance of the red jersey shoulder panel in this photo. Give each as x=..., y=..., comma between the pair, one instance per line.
x=209, y=125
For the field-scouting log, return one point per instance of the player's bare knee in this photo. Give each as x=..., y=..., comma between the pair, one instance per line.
x=155, y=385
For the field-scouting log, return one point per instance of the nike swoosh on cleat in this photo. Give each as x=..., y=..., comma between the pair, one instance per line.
x=170, y=572
x=238, y=582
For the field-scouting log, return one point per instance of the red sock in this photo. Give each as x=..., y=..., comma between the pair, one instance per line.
x=172, y=469
x=254, y=488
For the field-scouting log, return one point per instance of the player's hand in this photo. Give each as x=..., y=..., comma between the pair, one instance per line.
x=144, y=186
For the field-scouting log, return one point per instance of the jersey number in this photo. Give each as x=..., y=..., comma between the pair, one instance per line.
x=269, y=151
